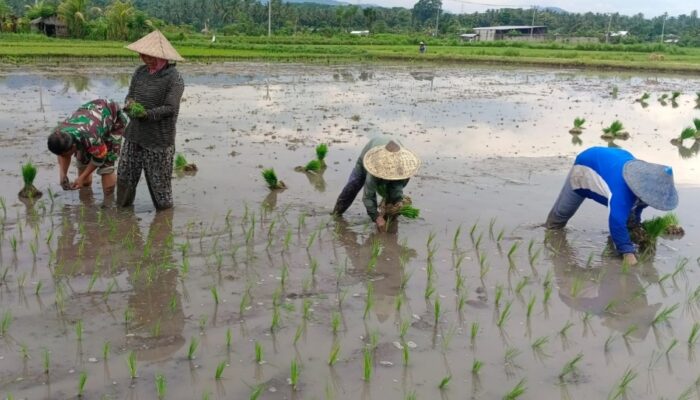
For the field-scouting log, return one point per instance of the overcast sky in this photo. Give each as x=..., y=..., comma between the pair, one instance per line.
x=650, y=8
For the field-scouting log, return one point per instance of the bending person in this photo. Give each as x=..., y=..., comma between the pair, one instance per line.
x=93, y=134
x=614, y=178
x=153, y=103
x=384, y=167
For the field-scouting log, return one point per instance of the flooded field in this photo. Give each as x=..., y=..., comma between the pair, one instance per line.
x=239, y=292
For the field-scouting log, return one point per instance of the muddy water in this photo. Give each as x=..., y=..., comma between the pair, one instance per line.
x=496, y=148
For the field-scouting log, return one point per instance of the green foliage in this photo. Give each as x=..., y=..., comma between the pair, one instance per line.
x=614, y=129
x=75, y=15
x=313, y=166
x=321, y=151
x=161, y=386
x=180, y=162
x=688, y=133
x=516, y=392
x=82, y=380
x=409, y=211
x=578, y=122
x=28, y=173
x=657, y=226
x=220, y=370
x=136, y=110
x=271, y=179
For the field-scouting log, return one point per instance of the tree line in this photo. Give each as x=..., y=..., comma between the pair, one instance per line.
x=128, y=19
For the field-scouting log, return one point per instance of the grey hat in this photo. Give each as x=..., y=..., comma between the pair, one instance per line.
x=652, y=183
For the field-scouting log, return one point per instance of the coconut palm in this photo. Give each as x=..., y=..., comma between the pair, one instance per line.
x=118, y=17
x=39, y=9
x=74, y=14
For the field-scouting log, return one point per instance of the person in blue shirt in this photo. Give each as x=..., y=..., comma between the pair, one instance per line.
x=614, y=178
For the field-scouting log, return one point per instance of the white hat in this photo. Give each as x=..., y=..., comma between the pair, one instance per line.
x=391, y=162
x=155, y=45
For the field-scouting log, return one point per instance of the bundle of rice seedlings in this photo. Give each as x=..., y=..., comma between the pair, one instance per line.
x=271, y=179
x=313, y=166
x=578, y=126
x=135, y=110
x=687, y=133
x=409, y=211
x=321, y=152
x=615, y=131
x=663, y=225
x=28, y=176
x=182, y=165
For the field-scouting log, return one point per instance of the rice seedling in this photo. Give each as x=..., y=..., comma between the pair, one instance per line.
x=517, y=391
x=570, y=366
x=46, y=361
x=5, y=323
x=576, y=286
x=276, y=319
x=335, y=322
x=455, y=238
x=79, y=330
x=530, y=306
x=504, y=315
x=521, y=285
x=510, y=354
x=578, y=126
x=131, y=363
x=298, y=333
x=321, y=153
x=409, y=212
x=498, y=295
x=28, y=175
x=257, y=391
x=106, y=349
x=615, y=131
x=539, y=343
x=665, y=314
x=629, y=331
x=258, y=353
x=220, y=370
x=333, y=356
x=643, y=98
x=547, y=294
x=403, y=329
x=473, y=332
x=312, y=166
x=406, y=354
x=161, y=386
x=694, y=334
x=228, y=339
x=82, y=380
x=294, y=374
x=180, y=162
x=511, y=252
x=476, y=366
x=192, y=349
x=367, y=364
x=472, y=230
x=565, y=329
x=271, y=180
x=674, y=343
x=620, y=389
x=444, y=382
x=675, y=96
x=436, y=310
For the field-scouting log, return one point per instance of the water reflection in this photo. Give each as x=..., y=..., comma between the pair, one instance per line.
x=97, y=241
x=79, y=83
x=616, y=296
x=685, y=152
x=386, y=277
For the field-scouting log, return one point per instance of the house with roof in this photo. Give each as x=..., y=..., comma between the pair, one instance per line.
x=521, y=32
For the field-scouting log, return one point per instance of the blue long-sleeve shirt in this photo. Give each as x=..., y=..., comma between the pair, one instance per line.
x=597, y=175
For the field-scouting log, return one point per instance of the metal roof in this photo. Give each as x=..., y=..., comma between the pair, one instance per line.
x=509, y=27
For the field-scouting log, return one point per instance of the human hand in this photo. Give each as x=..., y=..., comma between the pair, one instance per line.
x=629, y=259
x=65, y=183
x=77, y=184
x=381, y=223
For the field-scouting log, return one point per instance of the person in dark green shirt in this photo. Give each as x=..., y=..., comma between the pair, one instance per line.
x=384, y=168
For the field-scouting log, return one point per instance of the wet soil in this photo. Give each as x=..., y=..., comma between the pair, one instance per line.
x=236, y=260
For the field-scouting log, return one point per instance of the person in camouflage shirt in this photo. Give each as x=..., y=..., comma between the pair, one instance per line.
x=94, y=135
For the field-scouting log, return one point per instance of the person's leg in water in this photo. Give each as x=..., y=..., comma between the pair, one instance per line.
x=350, y=191
x=129, y=173
x=158, y=168
x=565, y=207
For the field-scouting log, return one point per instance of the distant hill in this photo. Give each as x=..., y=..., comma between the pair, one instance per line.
x=323, y=2
x=554, y=10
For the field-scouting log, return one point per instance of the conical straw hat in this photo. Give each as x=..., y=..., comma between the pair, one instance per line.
x=391, y=162
x=155, y=45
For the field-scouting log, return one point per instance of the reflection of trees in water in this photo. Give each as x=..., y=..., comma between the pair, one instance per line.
x=614, y=295
x=79, y=83
x=123, y=80
x=344, y=75
x=95, y=241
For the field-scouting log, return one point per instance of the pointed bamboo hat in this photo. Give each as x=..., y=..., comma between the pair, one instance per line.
x=155, y=45
x=391, y=162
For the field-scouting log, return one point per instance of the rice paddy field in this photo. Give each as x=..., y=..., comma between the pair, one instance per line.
x=240, y=292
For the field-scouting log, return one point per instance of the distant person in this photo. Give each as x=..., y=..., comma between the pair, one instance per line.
x=93, y=134
x=614, y=178
x=150, y=136
x=421, y=48
x=384, y=167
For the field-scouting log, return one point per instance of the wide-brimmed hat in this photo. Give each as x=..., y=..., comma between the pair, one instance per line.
x=391, y=162
x=652, y=183
x=155, y=45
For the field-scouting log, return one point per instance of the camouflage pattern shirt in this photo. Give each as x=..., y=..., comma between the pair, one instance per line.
x=96, y=128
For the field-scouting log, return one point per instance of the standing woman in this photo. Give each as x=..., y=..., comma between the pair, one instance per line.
x=153, y=103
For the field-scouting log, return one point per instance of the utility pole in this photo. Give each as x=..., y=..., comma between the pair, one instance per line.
x=663, y=27
x=437, y=22
x=532, y=26
x=607, y=34
x=269, y=18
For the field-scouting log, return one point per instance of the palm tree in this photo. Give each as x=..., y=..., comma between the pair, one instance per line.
x=118, y=16
x=74, y=14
